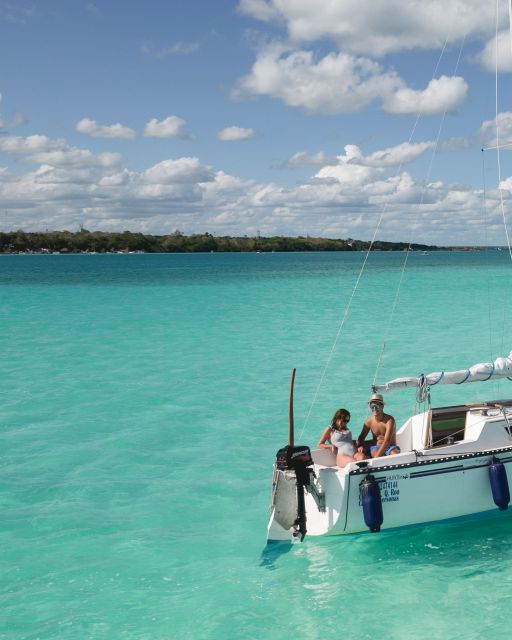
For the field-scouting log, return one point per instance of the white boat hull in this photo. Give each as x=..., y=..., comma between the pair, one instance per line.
x=419, y=486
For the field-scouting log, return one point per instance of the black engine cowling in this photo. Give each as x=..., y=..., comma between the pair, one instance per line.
x=297, y=459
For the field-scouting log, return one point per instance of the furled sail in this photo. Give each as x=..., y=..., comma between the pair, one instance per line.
x=500, y=368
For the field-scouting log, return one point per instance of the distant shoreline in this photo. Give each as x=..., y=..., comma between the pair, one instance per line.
x=84, y=241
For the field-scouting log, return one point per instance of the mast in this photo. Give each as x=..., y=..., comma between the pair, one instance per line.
x=290, y=411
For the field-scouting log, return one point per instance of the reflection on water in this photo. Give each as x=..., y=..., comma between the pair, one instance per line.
x=272, y=552
x=440, y=543
x=357, y=570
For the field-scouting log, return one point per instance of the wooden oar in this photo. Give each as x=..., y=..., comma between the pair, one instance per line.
x=290, y=410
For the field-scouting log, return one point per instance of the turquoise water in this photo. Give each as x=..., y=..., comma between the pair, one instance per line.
x=143, y=399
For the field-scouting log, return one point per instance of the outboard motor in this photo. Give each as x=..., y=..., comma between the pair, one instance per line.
x=372, y=504
x=297, y=459
x=499, y=484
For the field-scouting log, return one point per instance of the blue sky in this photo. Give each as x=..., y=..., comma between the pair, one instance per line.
x=235, y=117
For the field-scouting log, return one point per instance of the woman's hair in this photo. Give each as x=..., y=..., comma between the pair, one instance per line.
x=341, y=413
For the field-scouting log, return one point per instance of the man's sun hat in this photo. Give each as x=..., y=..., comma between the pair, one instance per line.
x=376, y=397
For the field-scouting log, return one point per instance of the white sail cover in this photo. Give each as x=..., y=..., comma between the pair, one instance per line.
x=500, y=368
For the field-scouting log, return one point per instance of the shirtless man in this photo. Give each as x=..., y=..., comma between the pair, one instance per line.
x=383, y=429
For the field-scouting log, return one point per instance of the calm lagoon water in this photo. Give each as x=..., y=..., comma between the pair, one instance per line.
x=143, y=400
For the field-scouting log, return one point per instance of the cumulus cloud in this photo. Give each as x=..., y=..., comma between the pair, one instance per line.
x=379, y=27
x=488, y=134
x=487, y=57
x=176, y=171
x=342, y=197
x=259, y=9
x=30, y=144
x=117, y=179
x=170, y=127
x=398, y=155
x=343, y=83
x=92, y=128
x=336, y=83
x=354, y=168
x=77, y=175
x=441, y=95
x=235, y=133
x=73, y=157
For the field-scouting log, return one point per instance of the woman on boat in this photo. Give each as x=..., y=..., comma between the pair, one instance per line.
x=338, y=438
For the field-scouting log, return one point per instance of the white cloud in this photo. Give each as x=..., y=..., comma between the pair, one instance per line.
x=342, y=199
x=337, y=83
x=259, y=9
x=343, y=83
x=54, y=175
x=441, y=95
x=118, y=179
x=350, y=169
x=73, y=157
x=378, y=27
x=92, y=128
x=303, y=159
x=30, y=144
x=177, y=194
x=170, y=127
x=235, y=133
x=176, y=171
x=486, y=135
x=399, y=155
x=487, y=57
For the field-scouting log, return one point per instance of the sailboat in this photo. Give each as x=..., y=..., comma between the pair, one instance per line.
x=454, y=462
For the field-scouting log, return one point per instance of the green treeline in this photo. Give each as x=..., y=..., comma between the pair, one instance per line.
x=84, y=241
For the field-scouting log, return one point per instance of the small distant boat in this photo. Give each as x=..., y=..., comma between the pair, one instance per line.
x=424, y=253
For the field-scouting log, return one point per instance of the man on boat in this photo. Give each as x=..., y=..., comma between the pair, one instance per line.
x=383, y=429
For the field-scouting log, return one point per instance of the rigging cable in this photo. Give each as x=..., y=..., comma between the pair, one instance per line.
x=423, y=191
x=498, y=158
x=497, y=146
x=485, y=222
x=361, y=271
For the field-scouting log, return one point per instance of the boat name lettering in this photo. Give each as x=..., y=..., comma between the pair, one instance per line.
x=397, y=476
x=389, y=489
